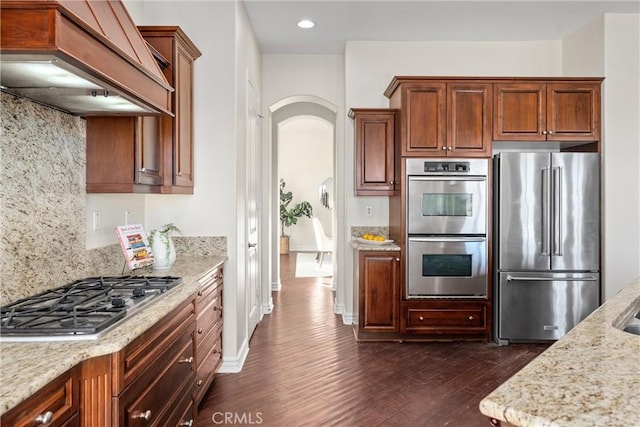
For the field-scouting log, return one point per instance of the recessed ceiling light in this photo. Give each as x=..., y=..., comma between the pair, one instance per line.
x=306, y=23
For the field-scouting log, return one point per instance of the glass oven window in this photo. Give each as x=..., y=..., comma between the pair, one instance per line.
x=447, y=204
x=446, y=265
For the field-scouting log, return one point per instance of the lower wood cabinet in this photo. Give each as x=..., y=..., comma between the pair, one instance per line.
x=209, y=332
x=154, y=373
x=378, y=277
x=56, y=404
x=447, y=318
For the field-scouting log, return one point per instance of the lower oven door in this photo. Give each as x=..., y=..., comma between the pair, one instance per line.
x=447, y=267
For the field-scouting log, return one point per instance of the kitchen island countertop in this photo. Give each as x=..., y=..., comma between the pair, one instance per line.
x=29, y=366
x=588, y=378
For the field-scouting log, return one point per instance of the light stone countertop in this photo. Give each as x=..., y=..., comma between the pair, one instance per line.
x=28, y=366
x=360, y=246
x=588, y=378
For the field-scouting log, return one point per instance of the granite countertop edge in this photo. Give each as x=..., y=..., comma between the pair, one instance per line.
x=360, y=246
x=29, y=366
x=587, y=378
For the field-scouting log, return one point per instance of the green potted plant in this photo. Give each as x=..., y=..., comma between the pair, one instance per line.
x=290, y=216
x=164, y=253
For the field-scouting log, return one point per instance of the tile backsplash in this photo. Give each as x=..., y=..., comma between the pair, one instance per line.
x=43, y=204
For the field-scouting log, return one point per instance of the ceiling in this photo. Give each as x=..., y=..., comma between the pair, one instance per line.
x=274, y=22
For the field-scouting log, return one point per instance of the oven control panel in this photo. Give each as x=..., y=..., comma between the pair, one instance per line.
x=431, y=167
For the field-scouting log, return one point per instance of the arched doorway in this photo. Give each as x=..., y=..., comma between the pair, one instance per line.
x=278, y=113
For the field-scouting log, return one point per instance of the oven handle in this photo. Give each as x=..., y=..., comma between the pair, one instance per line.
x=551, y=279
x=448, y=239
x=446, y=178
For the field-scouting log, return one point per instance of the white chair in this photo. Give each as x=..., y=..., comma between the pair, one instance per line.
x=324, y=244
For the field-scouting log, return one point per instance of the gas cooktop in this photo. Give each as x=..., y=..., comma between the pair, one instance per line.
x=80, y=310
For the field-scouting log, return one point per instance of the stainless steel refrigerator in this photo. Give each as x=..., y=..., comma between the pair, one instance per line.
x=547, y=243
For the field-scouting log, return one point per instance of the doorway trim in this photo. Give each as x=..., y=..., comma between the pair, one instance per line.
x=277, y=112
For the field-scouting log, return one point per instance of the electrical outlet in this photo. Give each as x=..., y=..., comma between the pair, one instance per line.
x=97, y=220
x=127, y=217
x=368, y=210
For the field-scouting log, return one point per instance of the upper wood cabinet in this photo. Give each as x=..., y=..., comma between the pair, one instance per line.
x=375, y=157
x=177, y=146
x=537, y=111
x=149, y=154
x=442, y=118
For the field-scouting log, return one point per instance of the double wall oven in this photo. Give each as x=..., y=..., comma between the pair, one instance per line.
x=446, y=228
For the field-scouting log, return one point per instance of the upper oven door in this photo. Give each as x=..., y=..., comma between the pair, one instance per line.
x=447, y=204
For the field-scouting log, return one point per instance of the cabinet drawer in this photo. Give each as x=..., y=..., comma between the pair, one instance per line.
x=153, y=404
x=144, y=356
x=211, y=282
x=446, y=320
x=209, y=359
x=208, y=317
x=58, y=400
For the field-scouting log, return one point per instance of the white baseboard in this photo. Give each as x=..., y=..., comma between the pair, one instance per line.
x=233, y=365
x=349, y=319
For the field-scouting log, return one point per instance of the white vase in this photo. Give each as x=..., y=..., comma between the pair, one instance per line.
x=164, y=254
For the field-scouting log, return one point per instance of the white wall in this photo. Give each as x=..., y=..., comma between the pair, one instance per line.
x=621, y=151
x=305, y=159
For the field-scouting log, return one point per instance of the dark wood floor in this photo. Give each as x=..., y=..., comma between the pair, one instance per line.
x=305, y=369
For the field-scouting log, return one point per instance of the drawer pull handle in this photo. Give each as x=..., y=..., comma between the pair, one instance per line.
x=45, y=418
x=186, y=423
x=421, y=318
x=146, y=415
x=470, y=317
x=200, y=331
x=200, y=382
x=188, y=360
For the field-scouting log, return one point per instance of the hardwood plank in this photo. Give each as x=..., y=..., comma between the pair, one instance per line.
x=305, y=369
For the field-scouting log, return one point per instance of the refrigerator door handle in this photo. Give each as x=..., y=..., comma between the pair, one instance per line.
x=546, y=212
x=511, y=278
x=557, y=211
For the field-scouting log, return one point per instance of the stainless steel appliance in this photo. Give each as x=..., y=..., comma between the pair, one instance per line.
x=547, y=243
x=80, y=310
x=446, y=228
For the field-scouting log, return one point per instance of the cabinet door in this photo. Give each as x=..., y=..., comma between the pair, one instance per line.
x=375, y=133
x=183, y=141
x=520, y=112
x=573, y=112
x=469, y=112
x=379, y=303
x=424, y=119
x=148, y=169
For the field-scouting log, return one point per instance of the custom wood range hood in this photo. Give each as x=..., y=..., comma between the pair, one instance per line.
x=85, y=57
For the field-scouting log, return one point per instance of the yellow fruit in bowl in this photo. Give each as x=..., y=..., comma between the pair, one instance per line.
x=379, y=239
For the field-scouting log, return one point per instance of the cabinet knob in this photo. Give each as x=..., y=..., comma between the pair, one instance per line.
x=470, y=317
x=390, y=182
x=179, y=173
x=146, y=415
x=200, y=331
x=421, y=318
x=199, y=383
x=494, y=422
x=544, y=132
x=142, y=170
x=188, y=360
x=398, y=259
x=449, y=148
x=444, y=148
x=199, y=293
x=45, y=418
x=550, y=132
x=186, y=423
